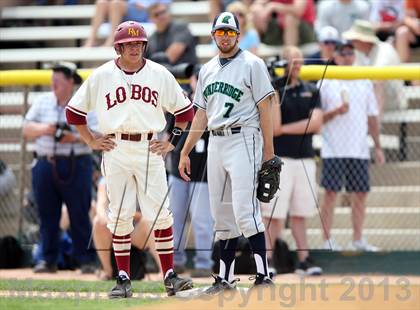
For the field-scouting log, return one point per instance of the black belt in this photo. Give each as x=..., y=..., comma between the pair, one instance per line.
x=133, y=136
x=225, y=132
x=50, y=157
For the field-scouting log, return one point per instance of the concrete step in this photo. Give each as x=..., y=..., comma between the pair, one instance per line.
x=414, y=103
x=376, y=217
x=399, y=173
x=384, y=196
x=412, y=129
x=385, y=239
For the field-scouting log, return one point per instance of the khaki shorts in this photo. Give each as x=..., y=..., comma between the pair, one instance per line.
x=297, y=194
x=274, y=33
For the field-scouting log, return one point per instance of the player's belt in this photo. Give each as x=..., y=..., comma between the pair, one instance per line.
x=226, y=131
x=133, y=136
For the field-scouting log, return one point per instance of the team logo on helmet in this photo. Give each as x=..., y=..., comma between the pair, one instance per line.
x=133, y=32
x=225, y=19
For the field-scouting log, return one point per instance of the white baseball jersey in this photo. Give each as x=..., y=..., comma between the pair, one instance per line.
x=132, y=103
x=230, y=93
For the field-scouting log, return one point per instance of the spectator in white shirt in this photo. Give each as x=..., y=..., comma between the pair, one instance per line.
x=349, y=114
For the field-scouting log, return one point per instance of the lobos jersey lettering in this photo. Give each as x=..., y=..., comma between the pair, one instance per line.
x=120, y=100
x=138, y=92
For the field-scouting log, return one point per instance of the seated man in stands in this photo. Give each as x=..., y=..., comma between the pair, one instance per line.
x=272, y=17
x=408, y=34
x=370, y=51
x=118, y=11
x=386, y=16
x=172, y=43
x=341, y=14
x=103, y=238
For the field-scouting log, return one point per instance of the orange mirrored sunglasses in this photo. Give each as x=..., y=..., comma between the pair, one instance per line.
x=222, y=32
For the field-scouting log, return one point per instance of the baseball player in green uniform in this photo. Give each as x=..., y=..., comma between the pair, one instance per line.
x=233, y=97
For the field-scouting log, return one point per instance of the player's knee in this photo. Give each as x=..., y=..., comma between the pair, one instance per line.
x=100, y=222
x=246, y=226
x=120, y=228
x=163, y=223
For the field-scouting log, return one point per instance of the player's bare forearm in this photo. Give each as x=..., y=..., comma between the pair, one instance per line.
x=164, y=146
x=86, y=135
x=103, y=143
x=277, y=126
x=198, y=126
x=266, y=123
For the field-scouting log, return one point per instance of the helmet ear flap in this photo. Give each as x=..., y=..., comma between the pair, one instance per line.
x=118, y=48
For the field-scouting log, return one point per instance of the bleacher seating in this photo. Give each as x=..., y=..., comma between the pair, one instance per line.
x=51, y=35
x=57, y=33
x=102, y=54
x=179, y=9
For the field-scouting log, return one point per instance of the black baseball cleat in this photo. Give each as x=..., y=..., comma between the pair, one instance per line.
x=262, y=280
x=308, y=268
x=220, y=285
x=122, y=289
x=174, y=284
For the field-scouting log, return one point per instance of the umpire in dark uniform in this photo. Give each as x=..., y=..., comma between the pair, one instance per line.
x=295, y=121
x=62, y=172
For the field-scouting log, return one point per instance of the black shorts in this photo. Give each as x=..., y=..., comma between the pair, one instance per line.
x=416, y=42
x=351, y=173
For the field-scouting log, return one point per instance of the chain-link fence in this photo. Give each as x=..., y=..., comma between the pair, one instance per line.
x=392, y=219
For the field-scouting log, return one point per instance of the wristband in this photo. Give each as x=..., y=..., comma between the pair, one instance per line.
x=175, y=136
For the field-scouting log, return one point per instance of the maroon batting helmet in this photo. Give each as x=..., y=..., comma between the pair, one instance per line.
x=129, y=31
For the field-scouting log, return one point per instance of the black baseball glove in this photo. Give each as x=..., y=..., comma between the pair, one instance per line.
x=269, y=179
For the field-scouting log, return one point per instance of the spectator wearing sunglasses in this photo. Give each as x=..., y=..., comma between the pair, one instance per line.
x=350, y=113
x=172, y=43
x=328, y=38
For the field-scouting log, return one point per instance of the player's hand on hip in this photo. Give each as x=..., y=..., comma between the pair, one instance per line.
x=160, y=147
x=104, y=143
x=184, y=167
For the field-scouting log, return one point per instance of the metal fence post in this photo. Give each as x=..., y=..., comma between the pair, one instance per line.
x=22, y=164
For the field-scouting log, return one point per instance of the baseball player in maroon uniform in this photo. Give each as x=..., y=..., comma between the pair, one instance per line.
x=129, y=95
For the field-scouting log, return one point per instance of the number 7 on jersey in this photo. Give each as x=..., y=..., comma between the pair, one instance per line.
x=229, y=107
